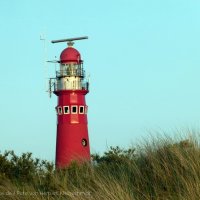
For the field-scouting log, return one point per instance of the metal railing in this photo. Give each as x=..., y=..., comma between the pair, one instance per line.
x=70, y=72
x=54, y=85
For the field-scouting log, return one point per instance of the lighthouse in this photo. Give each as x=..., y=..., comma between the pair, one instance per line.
x=70, y=86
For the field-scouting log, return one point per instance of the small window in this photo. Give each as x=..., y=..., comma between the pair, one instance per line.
x=86, y=109
x=81, y=109
x=74, y=110
x=66, y=109
x=84, y=142
x=59, y=110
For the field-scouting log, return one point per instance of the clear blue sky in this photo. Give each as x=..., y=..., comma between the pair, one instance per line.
x=143, y=57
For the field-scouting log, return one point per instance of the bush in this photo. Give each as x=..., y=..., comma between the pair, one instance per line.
x=160, y=170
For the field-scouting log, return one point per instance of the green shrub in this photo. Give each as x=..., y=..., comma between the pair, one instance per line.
x=157, y=170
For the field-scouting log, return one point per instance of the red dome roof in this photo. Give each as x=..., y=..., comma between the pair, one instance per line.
x=70, y=54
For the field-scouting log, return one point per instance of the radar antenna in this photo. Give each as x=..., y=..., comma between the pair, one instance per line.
x=70, y=39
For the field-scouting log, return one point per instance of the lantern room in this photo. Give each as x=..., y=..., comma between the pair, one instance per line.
x=71, y=75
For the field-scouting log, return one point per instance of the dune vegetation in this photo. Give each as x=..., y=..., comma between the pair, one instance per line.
x=161, y=169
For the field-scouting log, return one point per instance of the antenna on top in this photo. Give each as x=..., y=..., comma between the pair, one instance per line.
x=70, y=39
x=43, y=38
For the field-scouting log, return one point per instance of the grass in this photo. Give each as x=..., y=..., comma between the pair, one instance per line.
x=160, y=170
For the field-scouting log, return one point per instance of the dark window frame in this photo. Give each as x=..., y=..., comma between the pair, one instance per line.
x=59, y=110
x=65, y=110
x=83, y=112
x=72, y=112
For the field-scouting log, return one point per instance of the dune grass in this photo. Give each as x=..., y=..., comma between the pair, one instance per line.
x=163, y=170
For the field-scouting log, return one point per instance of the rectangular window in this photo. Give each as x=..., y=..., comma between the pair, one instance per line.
x=66, y=109
x=86, y=109
x=74, y=109
x=59, y=110
x=81, y=109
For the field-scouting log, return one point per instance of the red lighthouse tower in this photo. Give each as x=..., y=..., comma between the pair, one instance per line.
x=71, y=87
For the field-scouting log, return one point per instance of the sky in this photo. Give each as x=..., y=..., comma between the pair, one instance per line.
x=142, y=58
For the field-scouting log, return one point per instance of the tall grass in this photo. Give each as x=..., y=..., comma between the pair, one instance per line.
x=161, y=170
